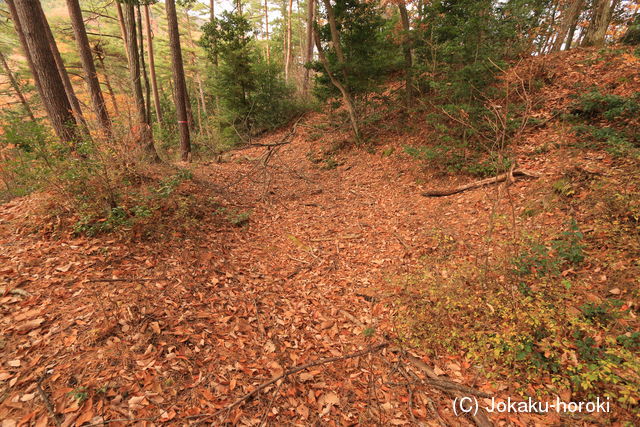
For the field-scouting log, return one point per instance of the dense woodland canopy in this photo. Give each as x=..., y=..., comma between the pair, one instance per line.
x=263, y=211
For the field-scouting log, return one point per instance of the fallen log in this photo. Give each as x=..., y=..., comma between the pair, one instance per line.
x=481, y=183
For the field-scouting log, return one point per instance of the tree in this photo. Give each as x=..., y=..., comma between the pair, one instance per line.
x=287, y=57
x=406, y=48
x=600, y=19
x=177, y=68
x=48, y=78
x=346, y=96
x=266, y=26
x=311, y=6
x=16, y=87
x=86, y=58
x=146, y=135
x=64, y=76
x=152, y=64
x=569, y=21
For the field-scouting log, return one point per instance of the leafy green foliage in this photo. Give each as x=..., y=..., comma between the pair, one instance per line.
x=252, y=93
x=369, y=53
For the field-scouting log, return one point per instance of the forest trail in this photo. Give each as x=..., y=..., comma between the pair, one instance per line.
x=183, y=327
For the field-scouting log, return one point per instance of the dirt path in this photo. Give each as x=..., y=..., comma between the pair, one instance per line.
x=184, y=327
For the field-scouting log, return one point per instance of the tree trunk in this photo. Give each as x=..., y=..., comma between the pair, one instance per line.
x=50, y=84
x=143, y=66
x=287, y=60
x=16, y=87
x=178, y=77
x=335, y=37
x=152, y=65
x=107, y=82
x=86, y=58
x=343, y=90
x=194, y=64
x=600, y=19
x=569, y=21
x=311, y=6
x=406, y=48
x=266, y=27
x=21, y=37
x=146, y=135
x=123, y=28
x=68, y=87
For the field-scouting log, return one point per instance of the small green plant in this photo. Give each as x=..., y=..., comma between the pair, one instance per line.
x=235, y=217
x=80, y=394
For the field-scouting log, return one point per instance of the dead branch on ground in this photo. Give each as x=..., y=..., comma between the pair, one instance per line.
x=476, y=184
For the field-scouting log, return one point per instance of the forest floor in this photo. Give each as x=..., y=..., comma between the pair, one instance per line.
x=298, y=254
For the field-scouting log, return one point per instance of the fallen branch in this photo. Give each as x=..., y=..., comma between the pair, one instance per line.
x=47, y=402
x=442, y=384
x=289, y=372
x=482, y=182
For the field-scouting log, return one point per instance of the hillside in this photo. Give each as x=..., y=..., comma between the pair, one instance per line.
x=331, y=250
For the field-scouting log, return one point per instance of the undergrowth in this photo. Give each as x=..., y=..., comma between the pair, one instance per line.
x=98, y=186
x=530, y=318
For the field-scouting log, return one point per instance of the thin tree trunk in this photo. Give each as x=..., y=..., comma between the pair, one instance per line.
x=266, y=27
x=64, y=76
x=146, y=135
x=335, y=36
x=343, y=90
x=287, y=61
x=143, y=66
x=569, y=21
x=99, y=52
x=16, y=87
x=194, y=64
x=152, y=64
x=50, y=84
x=123, y=29
x=21, y=37
x=86, y=58
x=311, y=6
x=178, y=77
x=408, y=60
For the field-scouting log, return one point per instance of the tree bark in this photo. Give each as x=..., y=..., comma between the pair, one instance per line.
x=343, y=90
x=21, y=37
x=64, y=76
x=406, y=48
x=569, y=20
x=152, y=64
x=143, y=66
x=146, y=135
x=123, y=27
x=16, y=87
x=179, y=81
x=99, y=52
x=194, y=64
x=311, y=7
x=86, y=58
x=266, y=26
x=50, y=84
x=600, y=19
x=287, y=60
x=335, y=36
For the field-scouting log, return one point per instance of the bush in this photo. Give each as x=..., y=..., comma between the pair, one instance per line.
x=253, y=95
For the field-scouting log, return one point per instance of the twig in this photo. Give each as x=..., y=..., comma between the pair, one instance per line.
x=128, y=279
x=266, y=412
x=46, y=400
x=118, y=420
x=289, y=372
